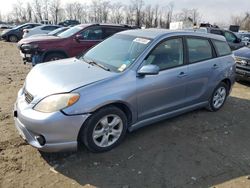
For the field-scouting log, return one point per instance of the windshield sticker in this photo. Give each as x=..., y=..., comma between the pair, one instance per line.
x=141, y=40
x=122, y=68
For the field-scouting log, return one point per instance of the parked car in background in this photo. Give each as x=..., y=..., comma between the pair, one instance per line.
x=67, y=23
x=130, y=80
x=43, y=29
x=15, y=34
x=5, y=26
x=232, y=39
x=52, y=33
x=242, y=57
x=245, y=37
x=70, y=43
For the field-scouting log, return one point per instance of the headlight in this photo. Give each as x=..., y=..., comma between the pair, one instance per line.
x=57, y=102
x=28, y=47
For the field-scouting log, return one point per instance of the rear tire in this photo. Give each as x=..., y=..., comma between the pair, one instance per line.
x=218, y=97
x=104, y=130
x=13, y=38
x=54, y=57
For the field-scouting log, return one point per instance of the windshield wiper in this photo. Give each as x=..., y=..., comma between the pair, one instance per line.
x=97, y=64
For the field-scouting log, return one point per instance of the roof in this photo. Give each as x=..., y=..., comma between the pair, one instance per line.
x=155, y=33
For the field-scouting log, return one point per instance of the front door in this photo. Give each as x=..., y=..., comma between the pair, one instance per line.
x=165, y=92
x=90, y=37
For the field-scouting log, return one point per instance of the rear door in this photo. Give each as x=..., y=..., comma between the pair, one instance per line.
x=109, y=31
x=201, y=69
x=90, y=37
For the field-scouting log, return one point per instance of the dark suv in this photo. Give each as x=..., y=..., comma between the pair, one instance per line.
x=232, y=39
x=242, y=57
x=70, y=43
x=67, y=23
x=15, y=34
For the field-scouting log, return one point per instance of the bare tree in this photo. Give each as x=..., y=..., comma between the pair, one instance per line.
x=117, y=13
x=55, y=10
x=80, y=12
x=46, y=9
x=29, y=12
x=149, y=16
x=37, y=9
x=69, y=10
x=129, y=12
x=138, y=6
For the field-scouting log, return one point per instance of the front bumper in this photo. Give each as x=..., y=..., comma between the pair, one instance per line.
x=243, y=72
x=3, y=37
x=59, y=131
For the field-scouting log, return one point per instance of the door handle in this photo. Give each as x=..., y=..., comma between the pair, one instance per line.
x=215, y=66
x=182, y=74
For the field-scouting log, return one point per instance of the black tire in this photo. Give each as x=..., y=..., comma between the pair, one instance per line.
x=87, y=130
x=53, y=57
x=211, y=106
x=13, y=38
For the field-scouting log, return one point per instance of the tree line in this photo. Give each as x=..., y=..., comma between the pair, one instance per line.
x=137, y=12
x=243, y=21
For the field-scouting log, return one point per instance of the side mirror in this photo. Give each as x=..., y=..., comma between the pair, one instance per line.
x=149, y=70
x=79, y=37
x=238, y=40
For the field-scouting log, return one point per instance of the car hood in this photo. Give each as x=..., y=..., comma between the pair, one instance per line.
x=63, y=76
x=243, y=52
x=45, y=38
x=5, y=31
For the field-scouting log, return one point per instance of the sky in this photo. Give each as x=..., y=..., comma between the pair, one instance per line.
x=213, y=11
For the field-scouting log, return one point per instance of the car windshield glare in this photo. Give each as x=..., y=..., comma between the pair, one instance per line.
x=70, y=32
x=117, y=52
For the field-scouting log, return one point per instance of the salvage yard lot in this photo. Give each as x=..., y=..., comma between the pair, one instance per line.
x=198, y=149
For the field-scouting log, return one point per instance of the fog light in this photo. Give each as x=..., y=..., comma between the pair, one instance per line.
x=40, y=139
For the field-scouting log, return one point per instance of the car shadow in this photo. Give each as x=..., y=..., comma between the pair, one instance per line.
x=197, y=149
x=245, y=83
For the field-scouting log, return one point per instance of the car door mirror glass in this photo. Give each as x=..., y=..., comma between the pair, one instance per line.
x=79, y=37
x=149, y=70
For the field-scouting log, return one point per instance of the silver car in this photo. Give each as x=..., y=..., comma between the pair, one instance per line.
x=133, y=79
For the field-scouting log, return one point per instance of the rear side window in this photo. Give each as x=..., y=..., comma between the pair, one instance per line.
x=217, y=32
x=199, y=50
x=111, y=31
x=49, y=28
x=222, y=48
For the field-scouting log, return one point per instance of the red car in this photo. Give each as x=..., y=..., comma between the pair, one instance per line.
x=70, y=43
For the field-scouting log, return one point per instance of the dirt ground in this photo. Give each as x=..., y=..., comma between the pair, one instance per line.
x=198, y=149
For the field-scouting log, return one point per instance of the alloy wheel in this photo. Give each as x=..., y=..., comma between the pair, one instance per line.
x=107, y=131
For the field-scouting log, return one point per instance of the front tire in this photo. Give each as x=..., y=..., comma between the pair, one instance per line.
x=13, y=38
x=54, y=57
x=104, y=130
x=218, y=97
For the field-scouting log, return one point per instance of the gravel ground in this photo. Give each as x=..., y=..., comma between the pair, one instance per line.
x=198, y=149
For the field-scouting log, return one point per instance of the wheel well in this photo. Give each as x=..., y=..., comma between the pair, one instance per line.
x=52, y=52
x=228, y=83
x=12, y=35
x=124, y=108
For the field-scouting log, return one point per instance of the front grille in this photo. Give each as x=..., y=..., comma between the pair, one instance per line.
x=28, y=97
x=242, y=61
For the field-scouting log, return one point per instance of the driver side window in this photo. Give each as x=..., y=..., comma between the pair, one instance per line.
x=167, y=54
x=92, y=34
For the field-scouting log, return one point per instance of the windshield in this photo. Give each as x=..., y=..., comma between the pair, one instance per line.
x=70, y=32
x=117, y=52
x=19, y=26
x=56, y=31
